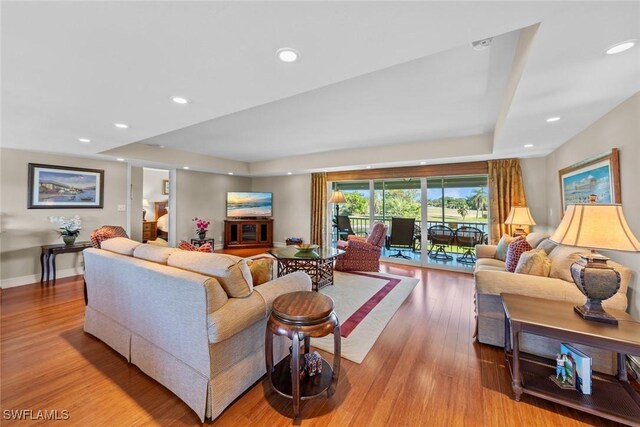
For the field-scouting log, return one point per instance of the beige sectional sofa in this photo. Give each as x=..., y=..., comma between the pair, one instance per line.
x=174, y=315
x=492, y=279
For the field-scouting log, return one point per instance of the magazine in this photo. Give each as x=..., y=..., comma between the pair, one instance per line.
x=582, y=363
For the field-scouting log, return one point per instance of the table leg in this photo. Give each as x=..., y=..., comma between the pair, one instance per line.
x=295, y=374
x=337, y=347
x=622, y=368
x=517, y=380
x=53, y=267
x=47, y=262
x=268, y=353
x=307, y=344
x=42, y=267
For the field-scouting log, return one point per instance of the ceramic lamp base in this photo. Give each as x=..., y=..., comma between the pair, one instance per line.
x=598, y=281
x=593, y=311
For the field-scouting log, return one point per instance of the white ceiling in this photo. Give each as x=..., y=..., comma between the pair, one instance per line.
x=371, y=74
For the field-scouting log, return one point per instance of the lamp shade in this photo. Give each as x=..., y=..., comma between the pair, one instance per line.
x=596, y=226
x=337, y=197
x=145, y=203
x=520, y=215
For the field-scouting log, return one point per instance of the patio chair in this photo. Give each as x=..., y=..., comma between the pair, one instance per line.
x=362, y=254
x=402, y=236
x=468, y=237
x=440, y=236
x=344, y=227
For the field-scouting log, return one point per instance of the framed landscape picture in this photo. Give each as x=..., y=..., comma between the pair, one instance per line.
x=62, y=187
x=165, y=187
x=599, y=175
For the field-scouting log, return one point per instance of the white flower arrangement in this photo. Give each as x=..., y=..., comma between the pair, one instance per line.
x=67, y=226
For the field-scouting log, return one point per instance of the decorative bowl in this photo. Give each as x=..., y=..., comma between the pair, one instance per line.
x=306, y=247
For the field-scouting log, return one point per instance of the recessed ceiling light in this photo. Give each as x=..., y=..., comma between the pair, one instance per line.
x=84, y=140
x=324, y=170
x=121, y=125
x=620, y=47
x=179, y=100
x=528, y=145
x=289, y=173
x=230, y=173
x=120, y=159
x=287, y=54
x=423, y=163
x=553, y=119
x=185, y=167
x=368, y=167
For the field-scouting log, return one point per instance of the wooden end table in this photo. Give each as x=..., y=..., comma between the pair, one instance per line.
x=48, y=257
x=611, y=397
x=318, y=264
x=300, y=316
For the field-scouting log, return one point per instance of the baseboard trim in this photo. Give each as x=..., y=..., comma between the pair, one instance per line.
x=35, y=278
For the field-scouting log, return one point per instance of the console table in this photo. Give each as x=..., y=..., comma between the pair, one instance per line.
x=612, y=397
x=248, y=233
x=48, y=257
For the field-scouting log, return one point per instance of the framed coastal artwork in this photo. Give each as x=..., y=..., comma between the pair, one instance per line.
x=599, y=176
x=62, y=187
x=165, y=187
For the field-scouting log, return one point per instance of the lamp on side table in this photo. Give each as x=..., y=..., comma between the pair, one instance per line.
x=595, y=226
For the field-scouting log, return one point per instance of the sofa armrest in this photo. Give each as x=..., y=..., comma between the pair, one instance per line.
x=486, y=251
x=298, y=281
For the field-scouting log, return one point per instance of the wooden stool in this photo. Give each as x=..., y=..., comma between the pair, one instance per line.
x=300, y=316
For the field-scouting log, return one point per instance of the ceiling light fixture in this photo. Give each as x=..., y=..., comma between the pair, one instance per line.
x=179, y=100
x=423, y=163
x=121, y=125
x=287, y=54
x=620, y=47
x=289, y=173
x=185, y=167
x=84, y=140
x=553, y=119
x=528, y=145
x=483, y=44
x=120, y=159
x=368, y=167
x=230, y=173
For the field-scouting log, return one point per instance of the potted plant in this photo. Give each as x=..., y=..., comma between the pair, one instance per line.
x=69, y=228
x=202, y=226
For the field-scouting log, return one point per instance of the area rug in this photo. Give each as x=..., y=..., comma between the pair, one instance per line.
x=364, y=303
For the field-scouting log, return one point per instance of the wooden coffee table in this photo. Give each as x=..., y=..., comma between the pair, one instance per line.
x=612, y=397
x=300, y=316
x=318, y=264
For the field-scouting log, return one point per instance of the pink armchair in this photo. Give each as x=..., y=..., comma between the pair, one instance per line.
x=362, y=254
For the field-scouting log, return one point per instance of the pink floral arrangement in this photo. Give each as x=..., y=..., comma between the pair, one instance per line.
x=202, y=225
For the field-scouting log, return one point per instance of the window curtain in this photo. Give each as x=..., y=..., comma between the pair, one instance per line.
x=318, y=207
x=506, y=189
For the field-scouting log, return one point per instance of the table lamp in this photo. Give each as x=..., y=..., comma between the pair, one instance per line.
x=595, y=226
x=145, y=204
x=337, y=197
x=519, y=215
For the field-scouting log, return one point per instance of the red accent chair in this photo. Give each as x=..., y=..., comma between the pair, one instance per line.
x=106, y=232
x=362, y=254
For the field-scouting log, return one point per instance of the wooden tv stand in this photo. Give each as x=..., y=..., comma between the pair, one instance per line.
x=248, y=233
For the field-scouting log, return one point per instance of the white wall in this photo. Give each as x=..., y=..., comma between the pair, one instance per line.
x=152, y=189
x=619, y=128
x=24, y=230
x=291, y=205
x=534, y=174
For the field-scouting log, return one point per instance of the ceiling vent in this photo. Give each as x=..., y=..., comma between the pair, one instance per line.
x=482, y=44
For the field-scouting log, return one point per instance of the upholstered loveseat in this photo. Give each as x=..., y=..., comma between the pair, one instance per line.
x=491, y=279
x=192, y=321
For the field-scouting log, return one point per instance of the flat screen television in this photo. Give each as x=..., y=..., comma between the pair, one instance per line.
x=242, y=204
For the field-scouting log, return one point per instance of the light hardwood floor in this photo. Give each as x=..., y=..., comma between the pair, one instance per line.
x=425, y=369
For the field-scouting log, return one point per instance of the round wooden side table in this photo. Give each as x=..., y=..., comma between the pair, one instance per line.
x=301, y=316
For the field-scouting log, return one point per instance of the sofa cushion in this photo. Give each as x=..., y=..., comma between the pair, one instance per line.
x=261, y=270
x=534, y=262
x=154, y=253
x=547, y=244
x=502, y=247
x=516, y=248
x=158, y=242
x=535, y=238
x=120, y=245
x=561, y=259
x=489, y=262
x=232, y=272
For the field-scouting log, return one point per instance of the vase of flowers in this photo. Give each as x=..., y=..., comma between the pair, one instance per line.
x=202, y=226
x=69, y=228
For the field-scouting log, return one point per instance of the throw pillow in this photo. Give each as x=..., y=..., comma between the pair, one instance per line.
x=503, y=245
x=186, y=246
x=548, y=245
x=261, y=270
x=516, y=248
x=534, y=262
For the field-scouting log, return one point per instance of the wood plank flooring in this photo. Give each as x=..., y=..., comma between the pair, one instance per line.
x=424, y=370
